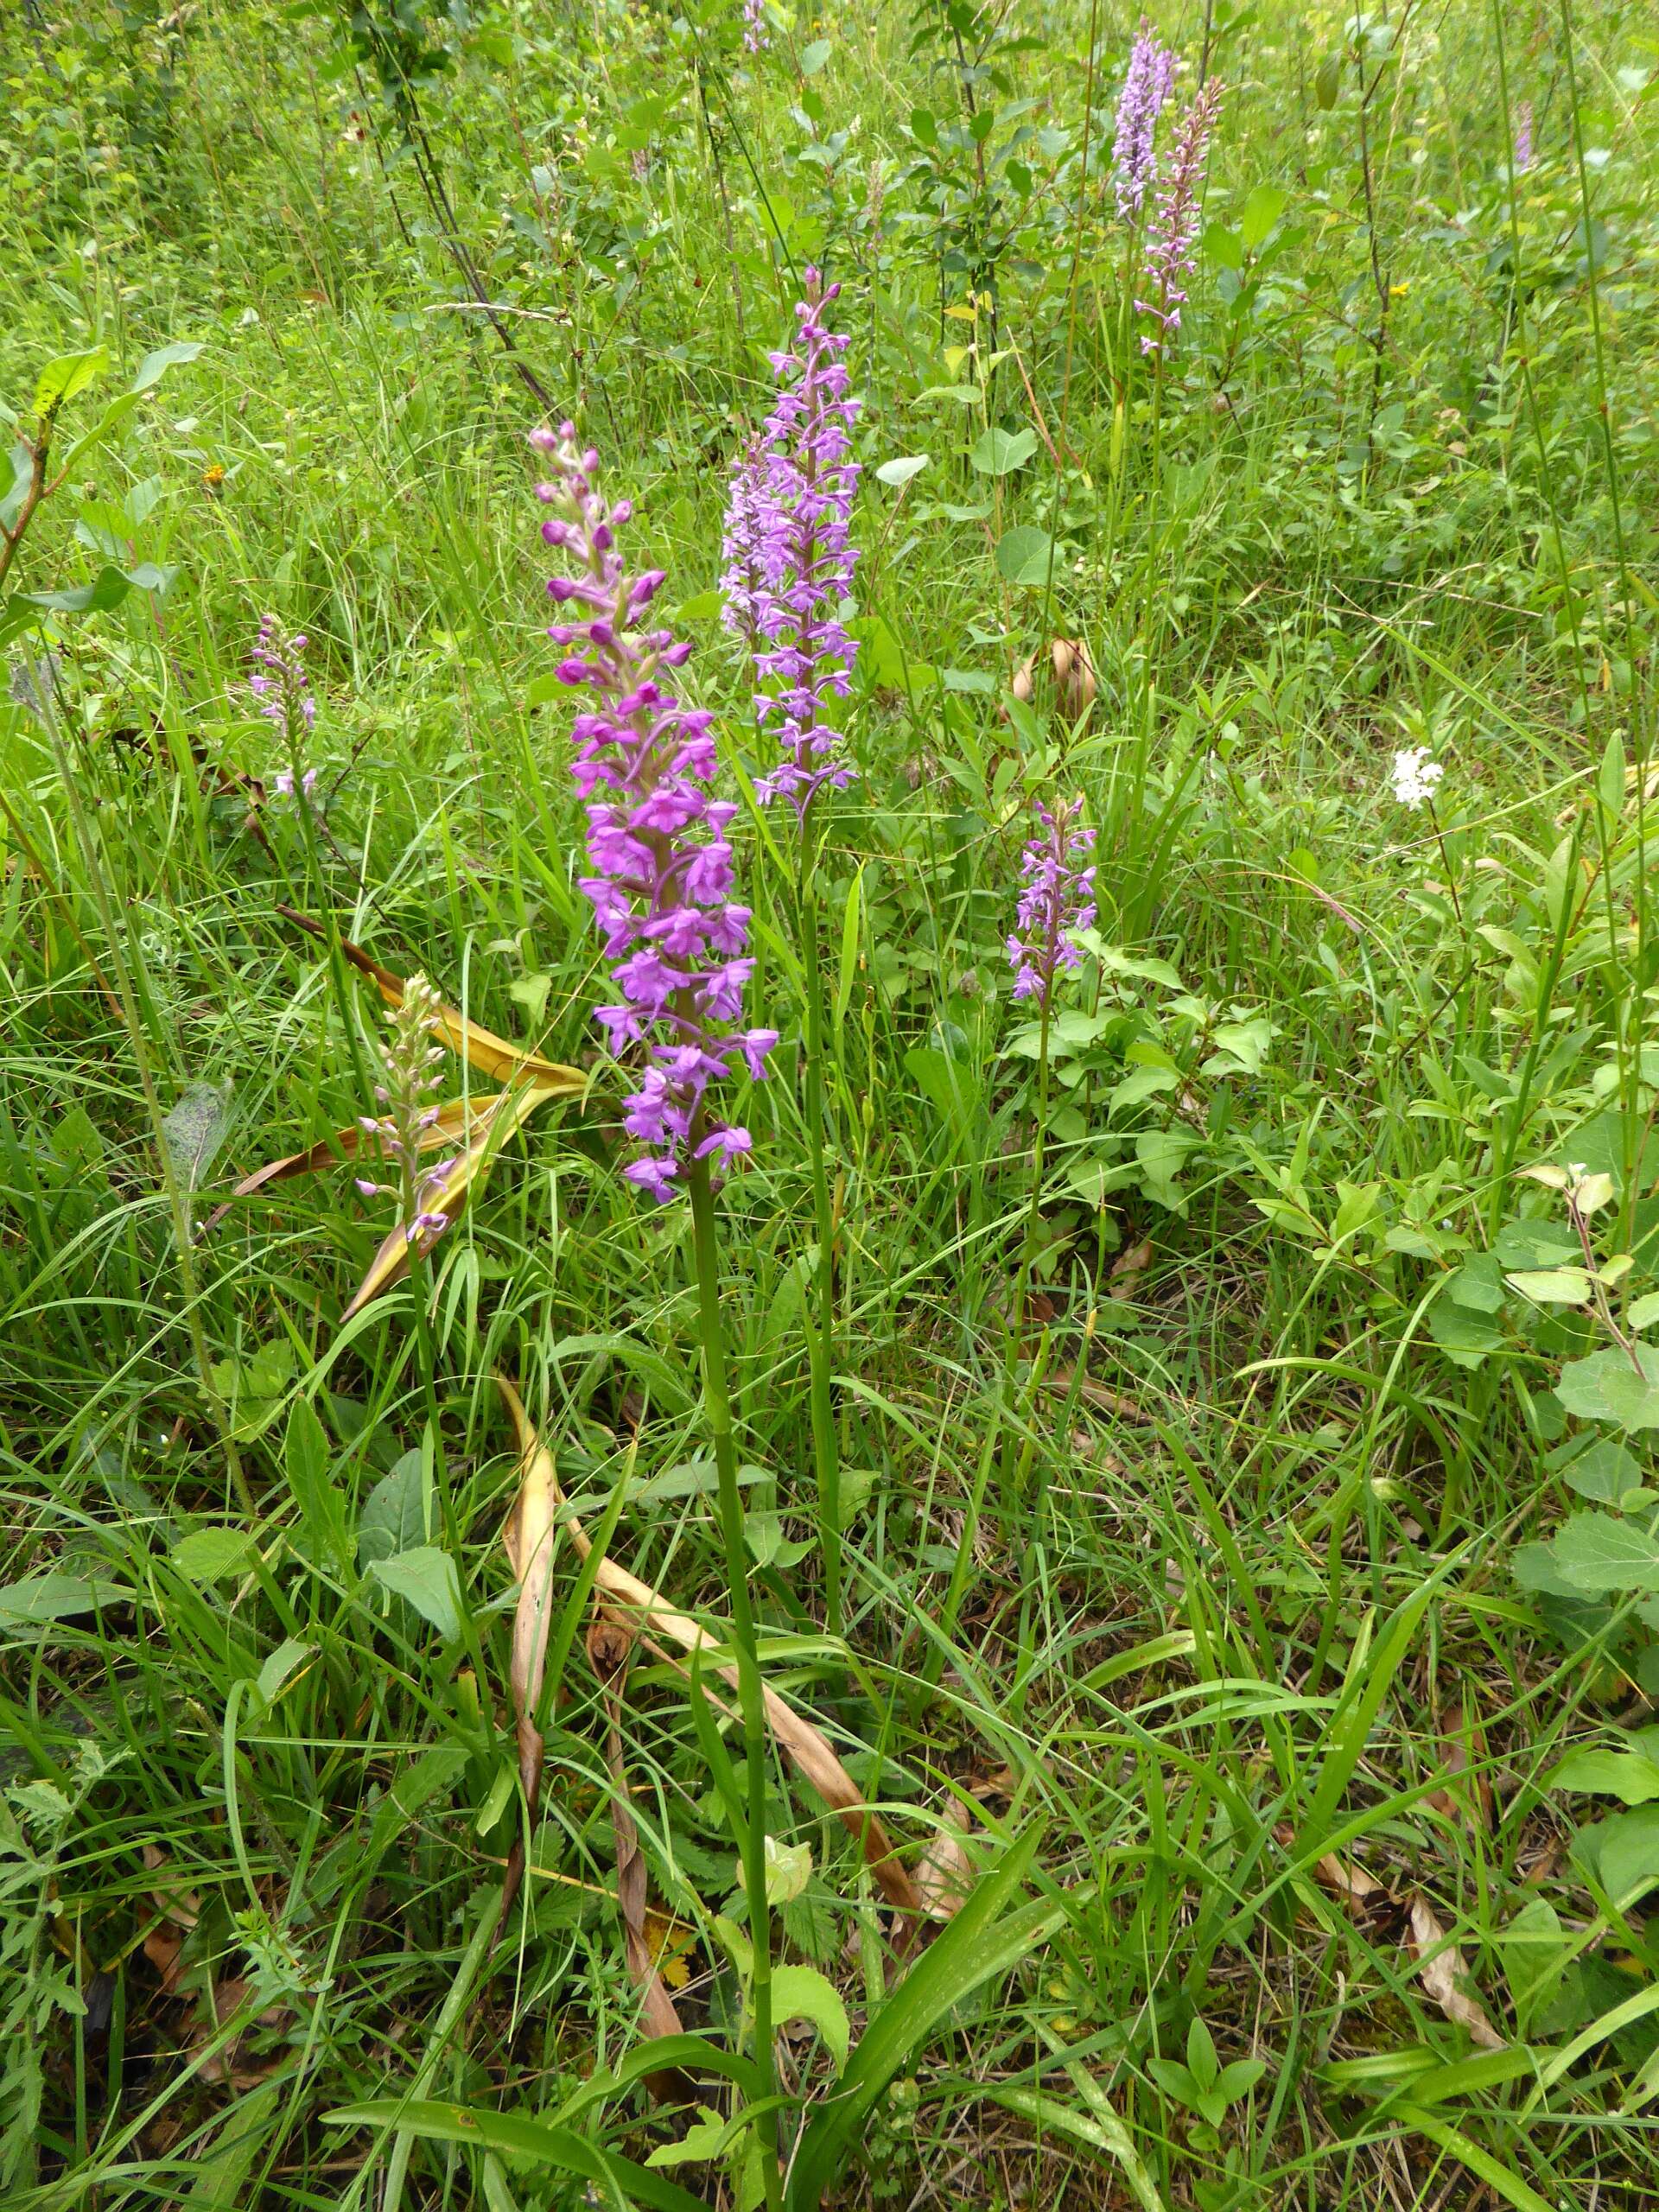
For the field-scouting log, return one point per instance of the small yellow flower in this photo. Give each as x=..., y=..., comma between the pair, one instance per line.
x=1399, y=291
x=212, y=477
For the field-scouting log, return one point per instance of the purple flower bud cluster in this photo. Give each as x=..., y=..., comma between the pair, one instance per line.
x=410, y=1062
x=662, y=864
x=790, y=556
x=1057, y=900
x=756, y=36
x=280, y=683
x=1173, y=236
x=1147, y=83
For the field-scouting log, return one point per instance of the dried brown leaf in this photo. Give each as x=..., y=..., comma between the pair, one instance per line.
x=803, y=1742
x=1468, y=1800
x=1128, y=1267
x=1059, y=1380
x=1443, y=1973
x=944, y=1872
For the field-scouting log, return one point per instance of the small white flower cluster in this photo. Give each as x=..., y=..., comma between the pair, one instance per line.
x=1416, y=776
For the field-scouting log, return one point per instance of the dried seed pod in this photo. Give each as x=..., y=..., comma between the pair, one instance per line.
x=1075, y=684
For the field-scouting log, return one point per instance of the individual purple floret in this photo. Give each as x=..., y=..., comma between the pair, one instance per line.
x=1057, y=900
x=1174, y=228
x=662, y=864
x=1147, y=83
x=790, y=557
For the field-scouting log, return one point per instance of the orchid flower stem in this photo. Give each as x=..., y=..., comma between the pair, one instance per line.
x=820, y=1327
x=342, y=989
x=1027, y=1253
x=750, y=1702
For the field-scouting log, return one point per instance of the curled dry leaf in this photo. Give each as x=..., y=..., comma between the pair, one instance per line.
x=479, y=1125
x=1444, y=1973
x=1097, y=1394
x=1440, y=1963
x=944, y=1872
x=803, y=1742
x=454, y=1118
x=1465, y=1799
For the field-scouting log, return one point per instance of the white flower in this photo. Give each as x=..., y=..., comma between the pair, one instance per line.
x=1416, y=776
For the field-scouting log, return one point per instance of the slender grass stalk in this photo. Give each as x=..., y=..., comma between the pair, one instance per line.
x=752, y=1844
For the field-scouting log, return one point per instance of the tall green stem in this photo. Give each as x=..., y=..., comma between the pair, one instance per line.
x=1027, y=1255
x=750, y=1702
x=820, y=1329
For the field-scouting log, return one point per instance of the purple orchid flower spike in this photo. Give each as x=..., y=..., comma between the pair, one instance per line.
x=662, y=865
x=1147, y=83
x=1173, y=238
x=1057, y=900
x=790, y=555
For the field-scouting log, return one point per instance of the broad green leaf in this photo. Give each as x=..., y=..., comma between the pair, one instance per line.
x=55, y=1596
x=998, y=452
x=1025, y=555
x=1622, y=1853
x=1466, y=1338
x=789, y=1869
x=1262, y=209
x=1606, y=1387
x=1224, y=247
x=803, y=1993
x=561, y=2148
x=1601, y=1557
x=1644, y=1312
x=1535, y=1952
x=195, y=1129
x=155, y=366
x=1604, y=1473
x=22, y=470
x=426, y=1579
x=209, y=1554
x=280, y=1665
x=305, y=1461
x=106, y=590
x=60, y=380
x=393, y=1518
x=813, y=57
x=1631, y=1777
x=218, y=2174
x=1553, y=1286
x=900, y=472
x=1161, y=1155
